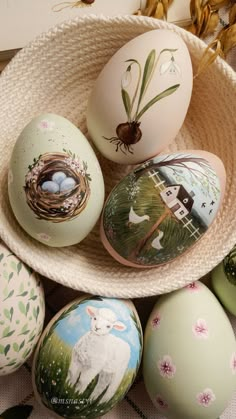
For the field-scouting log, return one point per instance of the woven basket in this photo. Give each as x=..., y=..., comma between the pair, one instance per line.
x=55, y=73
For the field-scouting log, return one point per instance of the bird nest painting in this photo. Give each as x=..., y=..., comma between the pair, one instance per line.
x=57, y=186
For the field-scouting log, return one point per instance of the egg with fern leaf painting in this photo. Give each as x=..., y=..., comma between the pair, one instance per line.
x=162, y=208
x=140, y=99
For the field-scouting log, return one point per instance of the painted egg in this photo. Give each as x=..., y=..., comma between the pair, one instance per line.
x=189, y=361
x=58, y=177
x=140, y=99
x=162, y=208
x=223, y=280
x=55, y=183
x=89, y=354
x=50, y=186
x=22, y=311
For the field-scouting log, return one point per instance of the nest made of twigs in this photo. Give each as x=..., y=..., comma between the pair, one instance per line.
x=60, y=206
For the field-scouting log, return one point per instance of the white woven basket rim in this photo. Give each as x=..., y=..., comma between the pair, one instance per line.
x=131, y=281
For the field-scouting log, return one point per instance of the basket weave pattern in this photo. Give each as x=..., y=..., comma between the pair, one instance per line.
x=55, y=73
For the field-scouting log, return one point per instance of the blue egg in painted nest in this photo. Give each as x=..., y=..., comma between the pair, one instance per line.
x=89, y=354
x=162, y=208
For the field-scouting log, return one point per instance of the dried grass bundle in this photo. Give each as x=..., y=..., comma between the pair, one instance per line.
x=155, y=8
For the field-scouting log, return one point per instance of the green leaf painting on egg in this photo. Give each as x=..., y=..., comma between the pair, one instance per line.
x=57, y=186
x=229, y=264
x=129, y=132
x=161, y=208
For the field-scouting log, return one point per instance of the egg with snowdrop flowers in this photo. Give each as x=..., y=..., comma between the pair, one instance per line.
x=141, y=97
x=55, y=183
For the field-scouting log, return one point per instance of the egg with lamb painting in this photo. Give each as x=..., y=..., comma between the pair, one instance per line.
x=89, y=354
x=141, y=97
x=162, y=208
x=55, y=183
x=189, y=359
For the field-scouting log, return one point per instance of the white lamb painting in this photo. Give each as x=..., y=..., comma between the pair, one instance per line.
x=100, y=353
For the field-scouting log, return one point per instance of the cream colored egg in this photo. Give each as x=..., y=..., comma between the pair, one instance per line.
x=56, y=186
x=141, y=97
x=22, y=311
x=88, y=357
x=189, y=361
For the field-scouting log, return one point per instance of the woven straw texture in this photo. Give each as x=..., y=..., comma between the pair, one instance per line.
x=55, y=73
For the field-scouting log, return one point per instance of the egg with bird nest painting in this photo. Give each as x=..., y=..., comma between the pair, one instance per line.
x=141, y=97
x=55, y=183
x=162, y=208
x=89, y=354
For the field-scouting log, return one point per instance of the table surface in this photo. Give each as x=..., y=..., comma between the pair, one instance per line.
x=17, y=388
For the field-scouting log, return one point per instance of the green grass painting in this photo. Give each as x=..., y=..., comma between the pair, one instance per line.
x=142, y=195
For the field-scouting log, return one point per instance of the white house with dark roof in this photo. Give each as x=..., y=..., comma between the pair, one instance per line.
x=178, y=200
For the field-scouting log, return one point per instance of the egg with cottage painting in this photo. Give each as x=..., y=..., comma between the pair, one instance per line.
x=162, y=208
x=189, y=360
x=141, y=97
x=89, y=353
x=56, y=187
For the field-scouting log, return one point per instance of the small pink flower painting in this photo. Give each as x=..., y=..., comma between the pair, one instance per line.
x=43, y=236
x=206, y=398
x=233, y=363
x=193, y=287
x=200, y=329
x=166, y=367
x=155, y=322
x=46, y=125
x=160, y=402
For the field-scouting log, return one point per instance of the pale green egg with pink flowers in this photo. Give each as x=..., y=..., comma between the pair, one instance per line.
x=189, y=361
x=55, y=183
